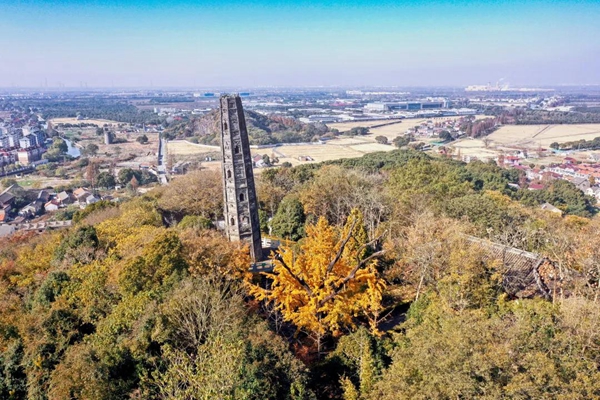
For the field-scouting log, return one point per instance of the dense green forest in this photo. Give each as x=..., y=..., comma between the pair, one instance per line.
x=378, y=292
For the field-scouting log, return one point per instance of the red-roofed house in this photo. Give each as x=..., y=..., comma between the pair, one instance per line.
x=52, y=205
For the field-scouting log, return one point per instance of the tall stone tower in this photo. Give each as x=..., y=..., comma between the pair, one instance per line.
x=239, y=194
x=108, y=136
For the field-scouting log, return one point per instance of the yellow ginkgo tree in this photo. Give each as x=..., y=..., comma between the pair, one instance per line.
x=331, y=279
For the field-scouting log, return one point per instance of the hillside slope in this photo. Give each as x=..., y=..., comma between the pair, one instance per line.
x=262, y=129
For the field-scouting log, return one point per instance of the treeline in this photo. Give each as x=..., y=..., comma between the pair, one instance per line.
x=478, y=128
x=376, y=293
x=93, y=108
x=524, y=116
x=581, y=144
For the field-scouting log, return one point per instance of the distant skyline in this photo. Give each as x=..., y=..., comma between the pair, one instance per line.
x=302, y=43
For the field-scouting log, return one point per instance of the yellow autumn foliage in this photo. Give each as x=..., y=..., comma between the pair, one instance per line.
x=136, y=219
x=35, y=260
x=329, y=281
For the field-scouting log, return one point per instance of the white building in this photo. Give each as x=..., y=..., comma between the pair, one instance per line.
x=27, y=141
x=13, y=138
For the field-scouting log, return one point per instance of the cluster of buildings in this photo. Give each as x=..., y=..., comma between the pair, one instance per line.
x=24, y=145
x=512, y=100
x=81, y=197
x=584, y=176
x=430, y=128
x=343, y=112
x=501, y=86
x=18, y=205
x=176, y=113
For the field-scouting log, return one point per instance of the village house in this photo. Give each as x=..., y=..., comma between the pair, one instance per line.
x=64, y=198
x=582, y=184
x=258, y=161
x=593, y=191
x=551, y=208
x=81, y=195
x=51, y=206
x=6, y=200
x=91, y=199
x=535, y=186
x=42, y=197
x=533, y=174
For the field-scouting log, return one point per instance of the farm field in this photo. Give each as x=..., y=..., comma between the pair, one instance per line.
x=347, y=148
x=185, y=148
x=97, y=122
x=514, y=137
x=318, y=152
x=345, y=126
x=341, y=147
x=543, y=135
x=393, y=131
x=474, y=148
x=372, y=147
x=143, y=152
x=34, y=182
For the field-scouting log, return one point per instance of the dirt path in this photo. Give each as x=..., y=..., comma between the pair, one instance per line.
x=544, y=129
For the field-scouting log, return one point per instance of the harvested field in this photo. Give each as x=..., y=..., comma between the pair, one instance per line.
x=144, y=152
x=372, y=147
x=74, y=121
x=346, y=126
x=214, y=165
x=318, y=152
x=40, y=182
x=474, y=148
x=347, y=141
x=185, y=148
x=333, y=150
x=543, y=135
x=528, y=137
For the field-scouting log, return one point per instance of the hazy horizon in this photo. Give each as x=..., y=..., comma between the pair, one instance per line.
x=131, y=44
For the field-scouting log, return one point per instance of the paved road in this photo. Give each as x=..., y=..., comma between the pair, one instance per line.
x=162, y=162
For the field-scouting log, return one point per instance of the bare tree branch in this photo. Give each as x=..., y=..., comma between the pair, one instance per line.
x=341, y=249
x=300, y=281
x=351, y=275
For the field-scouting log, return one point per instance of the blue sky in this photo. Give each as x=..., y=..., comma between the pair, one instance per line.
x=302, y=43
